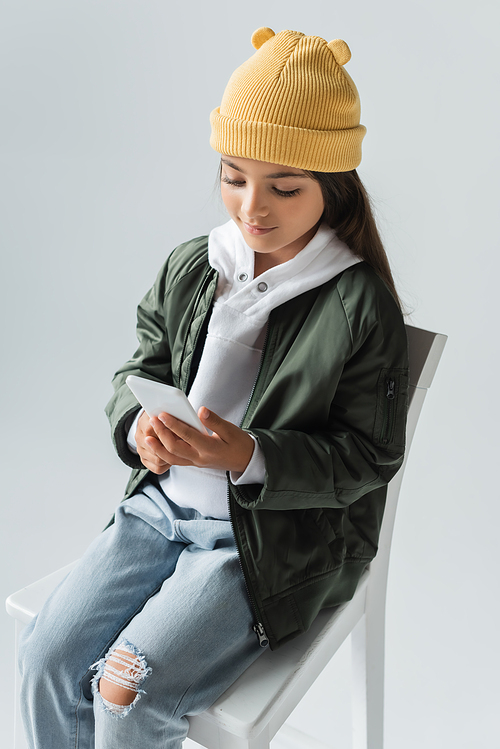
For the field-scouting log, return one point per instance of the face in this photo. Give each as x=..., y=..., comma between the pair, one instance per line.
x=276, y=208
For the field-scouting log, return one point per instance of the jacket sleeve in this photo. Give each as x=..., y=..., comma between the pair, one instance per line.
x=151, y=359
x=361, y=445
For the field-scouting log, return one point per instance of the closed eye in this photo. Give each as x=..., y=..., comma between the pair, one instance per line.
x=287, y=193
x=281, y=193
x=233, y=182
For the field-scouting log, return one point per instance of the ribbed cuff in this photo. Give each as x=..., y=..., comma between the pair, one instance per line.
x=314, y=150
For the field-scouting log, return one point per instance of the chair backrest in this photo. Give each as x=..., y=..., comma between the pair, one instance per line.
x=425, y=349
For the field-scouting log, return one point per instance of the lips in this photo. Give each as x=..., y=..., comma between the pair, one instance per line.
x=257, y=230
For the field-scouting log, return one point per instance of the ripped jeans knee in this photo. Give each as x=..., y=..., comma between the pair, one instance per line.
x=120, y=674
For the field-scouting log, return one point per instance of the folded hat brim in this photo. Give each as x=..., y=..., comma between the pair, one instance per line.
x=314, y=150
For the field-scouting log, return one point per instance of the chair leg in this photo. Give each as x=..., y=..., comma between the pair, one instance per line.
x=367, y=647
x=19, y=740
x=212, y=736
x=228, y=741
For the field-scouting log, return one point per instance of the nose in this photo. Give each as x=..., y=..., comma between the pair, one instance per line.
x=254, y=202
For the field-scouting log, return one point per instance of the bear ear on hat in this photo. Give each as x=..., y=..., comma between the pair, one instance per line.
x=340, y=50
x=261, y=36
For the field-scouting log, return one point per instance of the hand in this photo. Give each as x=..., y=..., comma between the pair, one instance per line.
x=176, y=443
x=149, y=458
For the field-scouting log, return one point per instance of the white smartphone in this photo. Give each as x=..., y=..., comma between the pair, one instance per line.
x=155, y=398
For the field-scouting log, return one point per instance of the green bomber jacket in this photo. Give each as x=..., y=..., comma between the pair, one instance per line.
x=328, y=410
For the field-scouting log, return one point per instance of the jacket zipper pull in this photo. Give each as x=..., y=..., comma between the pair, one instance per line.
x=261, y=634
x=391, y=386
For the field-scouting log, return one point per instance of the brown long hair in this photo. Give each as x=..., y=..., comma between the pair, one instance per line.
x=348, y=211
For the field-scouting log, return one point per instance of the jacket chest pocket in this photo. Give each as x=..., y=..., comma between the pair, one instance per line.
x=392, y=405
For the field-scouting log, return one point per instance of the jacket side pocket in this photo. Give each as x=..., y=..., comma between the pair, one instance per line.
x=392, y=403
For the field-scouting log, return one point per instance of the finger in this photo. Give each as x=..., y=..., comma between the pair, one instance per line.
x=143, y=446
x=143, y=425
x=155, y=467
x=165, y=453
x=224, y=429
x=181, y=432
x=151, y=460
x=146, y=430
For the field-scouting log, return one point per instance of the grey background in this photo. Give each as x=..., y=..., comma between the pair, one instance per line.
x=105, y=166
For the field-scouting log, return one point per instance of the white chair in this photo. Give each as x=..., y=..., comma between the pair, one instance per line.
x=253, y=709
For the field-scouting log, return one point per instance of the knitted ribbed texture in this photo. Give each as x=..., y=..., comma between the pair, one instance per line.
x=291, y=103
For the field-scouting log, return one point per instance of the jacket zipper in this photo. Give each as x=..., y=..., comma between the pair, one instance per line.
x=258, y=628
x=260, y=632
x=266, y=338
x=388, y=423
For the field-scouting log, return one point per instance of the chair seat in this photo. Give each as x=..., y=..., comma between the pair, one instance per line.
x=24, y=604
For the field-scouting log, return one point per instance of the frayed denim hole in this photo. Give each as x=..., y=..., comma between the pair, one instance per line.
x=132, y=682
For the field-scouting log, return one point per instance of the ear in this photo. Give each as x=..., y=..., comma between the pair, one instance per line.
x=340, y=50
x=261, y=36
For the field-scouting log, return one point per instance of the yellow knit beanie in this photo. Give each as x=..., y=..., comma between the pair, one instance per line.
x=291, y=103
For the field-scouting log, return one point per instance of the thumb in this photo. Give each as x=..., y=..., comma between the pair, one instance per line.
x=213, y=422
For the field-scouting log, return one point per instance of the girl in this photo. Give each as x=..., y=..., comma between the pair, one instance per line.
x=284, y=327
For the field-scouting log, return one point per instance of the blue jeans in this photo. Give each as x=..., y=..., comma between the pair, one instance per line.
x=164, y=583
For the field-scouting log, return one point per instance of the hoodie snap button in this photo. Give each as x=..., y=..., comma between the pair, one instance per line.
x=262, y=286
x=242, y=277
